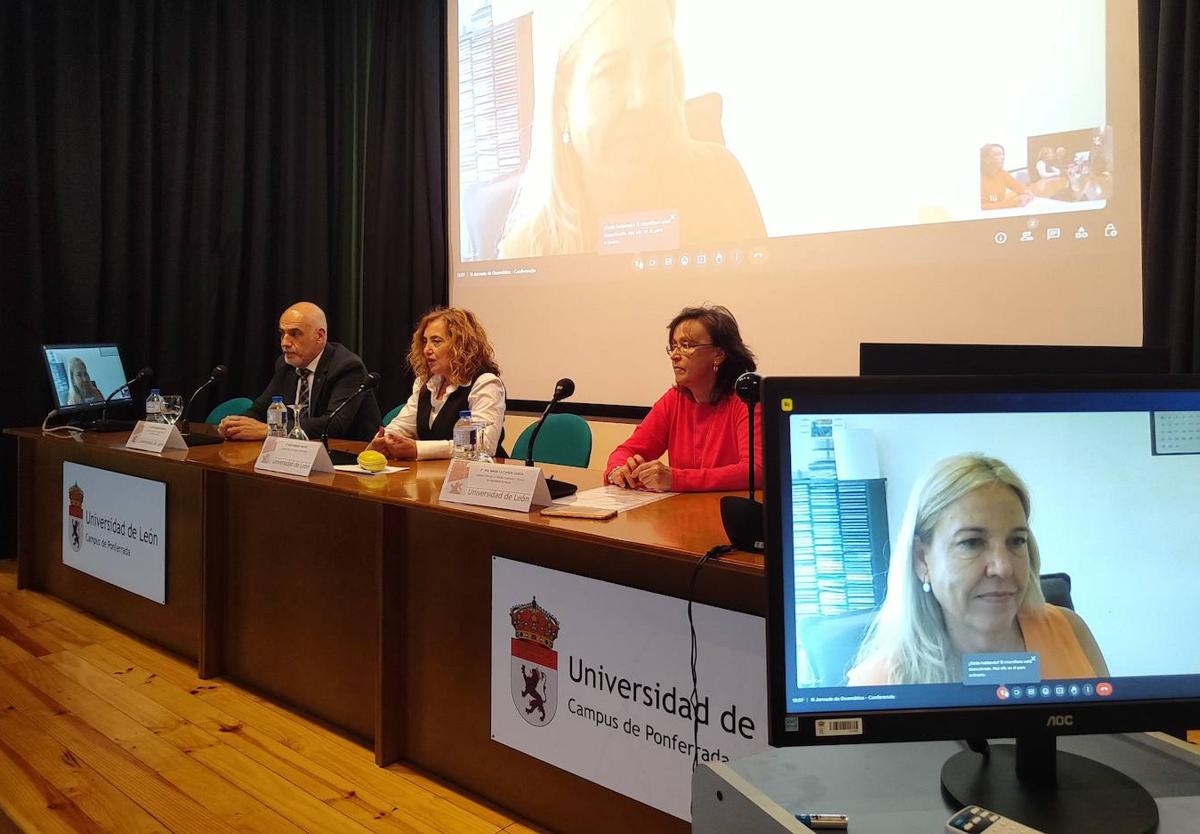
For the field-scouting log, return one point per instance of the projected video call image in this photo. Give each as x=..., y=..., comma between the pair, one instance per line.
x=1071, y=167
x=624, y=126
x=995, y=553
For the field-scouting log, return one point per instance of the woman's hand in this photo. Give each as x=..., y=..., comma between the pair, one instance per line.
x=378, y=443
x=393, y=445
x=623, y=475
x=654, y=475
x=401, y=447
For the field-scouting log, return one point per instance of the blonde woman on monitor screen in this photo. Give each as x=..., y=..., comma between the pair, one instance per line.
x=700, y=422
x=82, y=389
x=998, y=188
x=613, y=144
x=963, y=580
x=455, y=370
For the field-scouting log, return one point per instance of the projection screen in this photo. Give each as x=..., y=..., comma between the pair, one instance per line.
x=931, y=171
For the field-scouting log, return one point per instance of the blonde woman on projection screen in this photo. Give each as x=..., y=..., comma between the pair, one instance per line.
x=615, y=146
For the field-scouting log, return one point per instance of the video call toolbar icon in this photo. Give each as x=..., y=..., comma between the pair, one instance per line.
x=685, y=260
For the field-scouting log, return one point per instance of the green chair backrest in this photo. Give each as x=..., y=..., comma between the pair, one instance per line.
x=235, y=406
x=564, y=439
x=391, y=415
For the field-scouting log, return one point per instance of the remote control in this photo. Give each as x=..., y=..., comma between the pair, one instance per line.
x=973, y=819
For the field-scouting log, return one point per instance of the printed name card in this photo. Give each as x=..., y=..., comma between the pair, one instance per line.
x=495, y=485
x=155, y=437
x=293, y=457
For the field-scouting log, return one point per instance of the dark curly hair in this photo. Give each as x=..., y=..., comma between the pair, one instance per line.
x=723, y=329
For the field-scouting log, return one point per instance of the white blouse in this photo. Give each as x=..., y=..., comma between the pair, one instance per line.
x=486, y=402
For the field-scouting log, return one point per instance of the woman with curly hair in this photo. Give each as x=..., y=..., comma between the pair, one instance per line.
x=456, y=370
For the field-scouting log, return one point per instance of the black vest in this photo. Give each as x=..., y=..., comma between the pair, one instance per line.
x=443, y=424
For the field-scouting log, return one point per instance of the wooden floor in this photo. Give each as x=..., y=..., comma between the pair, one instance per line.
x=99, y=732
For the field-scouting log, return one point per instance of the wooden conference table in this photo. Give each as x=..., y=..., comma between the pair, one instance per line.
x=366, y=602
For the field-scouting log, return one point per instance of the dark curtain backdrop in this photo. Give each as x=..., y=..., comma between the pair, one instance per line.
x=405, y=268
x=173, y=175
x=1170, y=73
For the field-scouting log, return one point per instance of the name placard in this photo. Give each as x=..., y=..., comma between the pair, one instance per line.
x=155, y=437
x=495, y=485
x=293, y=457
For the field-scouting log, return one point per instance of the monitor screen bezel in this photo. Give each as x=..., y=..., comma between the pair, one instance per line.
x=1009, y=720
x=935, y=359
x=121, y=398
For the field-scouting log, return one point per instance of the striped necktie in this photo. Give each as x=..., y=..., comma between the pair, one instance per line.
x=302, y=397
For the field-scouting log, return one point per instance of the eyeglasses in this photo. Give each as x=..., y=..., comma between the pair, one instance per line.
x=686, y=349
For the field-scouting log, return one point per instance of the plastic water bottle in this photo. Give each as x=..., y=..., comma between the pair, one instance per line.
x=277, y=418
x=481, y=453
x=465, y=433
x=154, y=407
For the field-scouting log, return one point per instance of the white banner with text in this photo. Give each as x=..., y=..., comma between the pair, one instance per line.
x=115, y=529
x=595, y=678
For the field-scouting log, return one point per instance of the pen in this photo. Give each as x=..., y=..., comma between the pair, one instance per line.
x=820, y=822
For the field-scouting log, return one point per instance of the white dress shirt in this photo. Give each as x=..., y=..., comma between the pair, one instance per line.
x=486, y=402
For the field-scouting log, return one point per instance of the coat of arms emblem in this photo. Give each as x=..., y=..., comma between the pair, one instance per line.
x=75, y=513
x=534, y=663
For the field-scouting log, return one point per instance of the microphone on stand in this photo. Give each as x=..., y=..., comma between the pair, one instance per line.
x=104, y=424
x=369, y=382
x=185, y=429
x=743, y=517
x=562, y=389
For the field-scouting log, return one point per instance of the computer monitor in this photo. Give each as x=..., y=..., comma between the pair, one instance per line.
x=989, y=557
x=911, y=359
x=81, y=376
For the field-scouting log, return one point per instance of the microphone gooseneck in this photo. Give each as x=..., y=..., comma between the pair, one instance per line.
x=369, y=382
x=747, y=387
x=216, y=373
x=564, y=388
x=743, y=517
x=138, y=377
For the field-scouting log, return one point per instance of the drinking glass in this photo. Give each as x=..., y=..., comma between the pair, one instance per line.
x=172, y=408
x=297, y=433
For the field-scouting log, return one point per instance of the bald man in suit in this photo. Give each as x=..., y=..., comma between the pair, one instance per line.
x=314, y=370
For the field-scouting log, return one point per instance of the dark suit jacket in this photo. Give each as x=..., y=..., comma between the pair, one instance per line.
x=339, y=373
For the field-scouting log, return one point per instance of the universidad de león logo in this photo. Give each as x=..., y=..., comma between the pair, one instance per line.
x=534, y=673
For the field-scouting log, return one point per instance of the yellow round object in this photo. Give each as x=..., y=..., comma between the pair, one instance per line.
x=372, y=461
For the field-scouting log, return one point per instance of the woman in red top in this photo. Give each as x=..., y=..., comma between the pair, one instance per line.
x=699, y=422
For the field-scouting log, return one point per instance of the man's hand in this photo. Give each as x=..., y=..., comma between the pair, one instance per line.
x=238, y=427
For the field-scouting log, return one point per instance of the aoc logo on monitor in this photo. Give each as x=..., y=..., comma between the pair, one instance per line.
x=75, y=511
x=534, y=673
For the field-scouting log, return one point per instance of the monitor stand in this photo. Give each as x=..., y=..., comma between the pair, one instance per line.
x=1054, y=791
